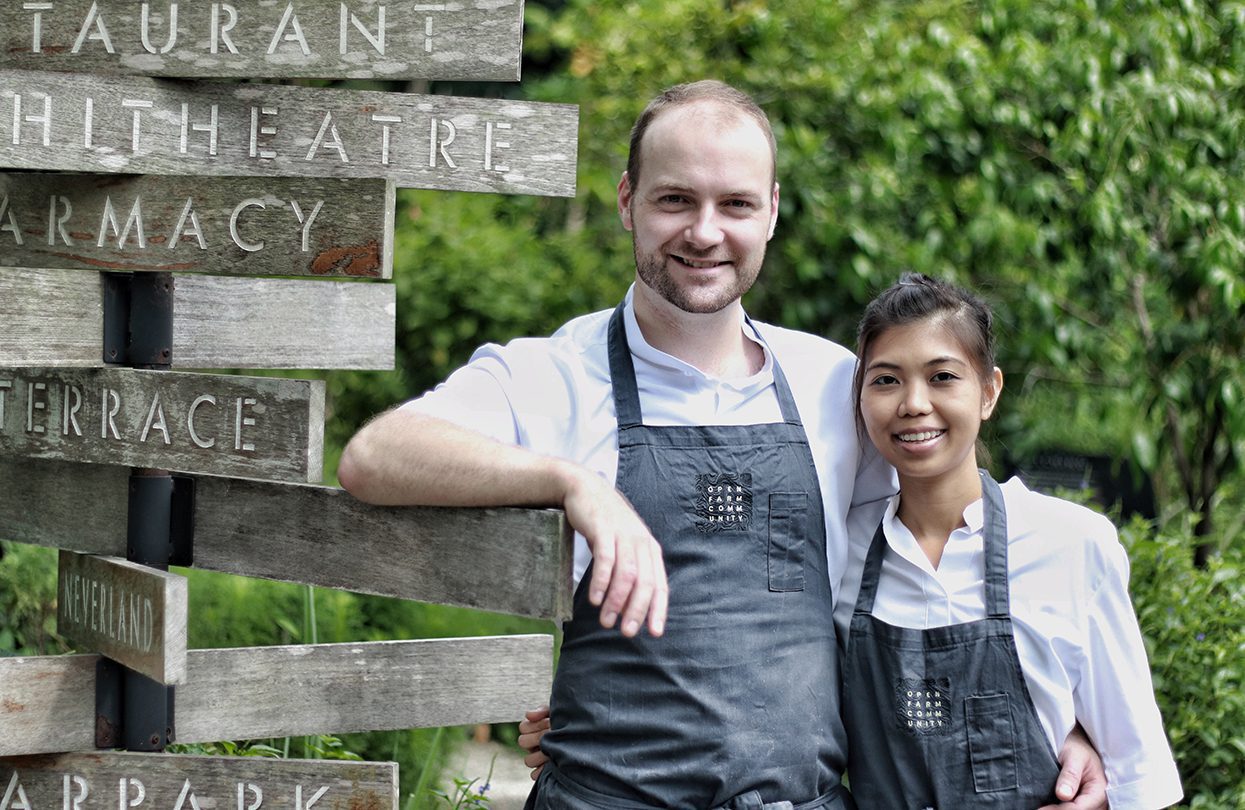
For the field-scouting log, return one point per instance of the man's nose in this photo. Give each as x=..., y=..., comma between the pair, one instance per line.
x=704, y=230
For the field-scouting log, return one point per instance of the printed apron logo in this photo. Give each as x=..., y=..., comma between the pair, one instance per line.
x=923, y=705
x=723, y=502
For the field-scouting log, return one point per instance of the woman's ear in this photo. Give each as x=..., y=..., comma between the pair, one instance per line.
x=990, y=390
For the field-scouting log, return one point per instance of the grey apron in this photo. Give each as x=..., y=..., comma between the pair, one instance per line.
x=737, y=704
x=942, y=718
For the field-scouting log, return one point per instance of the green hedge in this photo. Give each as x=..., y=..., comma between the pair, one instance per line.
x=1193, y=622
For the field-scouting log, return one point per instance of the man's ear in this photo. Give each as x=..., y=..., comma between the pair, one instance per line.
x=773, y=214
x=990, y=392
x=624, y=200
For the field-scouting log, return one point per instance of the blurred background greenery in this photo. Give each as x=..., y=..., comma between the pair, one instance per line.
x=1079, y=162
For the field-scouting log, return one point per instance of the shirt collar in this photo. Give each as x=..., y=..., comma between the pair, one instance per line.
x=641, y=349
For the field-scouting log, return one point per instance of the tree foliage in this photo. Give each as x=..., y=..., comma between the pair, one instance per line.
x=1077, y=161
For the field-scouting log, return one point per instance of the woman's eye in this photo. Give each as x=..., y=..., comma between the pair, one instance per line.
x=884, y=379
x=944, y=376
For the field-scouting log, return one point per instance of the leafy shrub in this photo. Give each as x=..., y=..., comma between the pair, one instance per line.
x=1193, y=621
x=28, y=600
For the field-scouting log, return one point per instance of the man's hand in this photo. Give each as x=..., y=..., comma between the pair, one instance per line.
x=531, y=728
x=628, y=575
x=1082, y=783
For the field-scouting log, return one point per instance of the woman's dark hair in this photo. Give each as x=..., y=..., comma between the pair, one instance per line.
x=916, y=297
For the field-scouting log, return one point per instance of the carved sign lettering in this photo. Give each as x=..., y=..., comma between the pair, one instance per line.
x=227, y=425
x=131, y=613
x=478, y=40
x=139, y=126
x=105, y=780
x=276, y=225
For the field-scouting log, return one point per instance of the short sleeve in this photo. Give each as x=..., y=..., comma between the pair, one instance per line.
x=475, y=397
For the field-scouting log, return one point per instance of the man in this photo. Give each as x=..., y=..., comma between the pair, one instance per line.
x=670, y=418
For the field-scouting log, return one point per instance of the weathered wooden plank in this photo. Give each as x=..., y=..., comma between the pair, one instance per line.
x=74, y=122
x=359, y=39
x=261, y=427
x=282, y=323
x=90, y=781
x=47, y=703
x=131, y=613
x=51, y=318
x=230, y=225
x=55, y=317
x=507, y=560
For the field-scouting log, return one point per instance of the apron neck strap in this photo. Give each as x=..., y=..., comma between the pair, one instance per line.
x=994, y=536
x=622, y=372
x=627, y=395
x=994, y=541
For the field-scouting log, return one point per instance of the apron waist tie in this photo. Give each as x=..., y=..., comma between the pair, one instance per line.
x=752, y=801
x=837, y=798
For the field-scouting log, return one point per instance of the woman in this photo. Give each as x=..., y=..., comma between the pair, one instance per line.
x=987, y=620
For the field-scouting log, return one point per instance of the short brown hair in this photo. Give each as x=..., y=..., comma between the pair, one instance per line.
x=708, y=90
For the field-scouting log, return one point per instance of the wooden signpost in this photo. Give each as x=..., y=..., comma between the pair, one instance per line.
x=476, y=40
x=134, y=614
x=135, y=125
x=121, y=781
x=228, y=225
x=148, y=262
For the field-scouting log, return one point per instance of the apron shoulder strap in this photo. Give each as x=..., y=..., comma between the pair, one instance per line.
x=622, y=372
x=994, y=539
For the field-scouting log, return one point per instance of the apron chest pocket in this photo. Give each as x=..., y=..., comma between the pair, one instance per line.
x=991, y=742
x=788, y=539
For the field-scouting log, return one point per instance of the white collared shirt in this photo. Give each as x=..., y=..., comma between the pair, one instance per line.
x=1076, y=633
x=553, y=395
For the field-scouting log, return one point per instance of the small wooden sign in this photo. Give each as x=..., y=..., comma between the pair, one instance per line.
x=228, y=225
x=130, y=613
x=260, y=427
x=514, y=561
x=111, y=780
x=47, y=703
x=56, y=317
x=90, y=123
x=327, y=39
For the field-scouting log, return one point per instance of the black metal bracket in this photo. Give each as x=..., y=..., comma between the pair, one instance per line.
x=161, y=524
x=131, y=710
x=138, y=319
x=109, y=694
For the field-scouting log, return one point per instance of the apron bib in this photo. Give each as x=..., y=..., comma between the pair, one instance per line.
x=737, y=704
x=941, y=718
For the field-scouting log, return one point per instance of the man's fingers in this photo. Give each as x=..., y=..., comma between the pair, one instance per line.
x=622, y=581
x=1068, y=782
x=602, y=571
x=641, y=593
x=661, y=596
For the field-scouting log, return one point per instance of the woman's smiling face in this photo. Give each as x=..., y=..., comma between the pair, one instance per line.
x=923, y=400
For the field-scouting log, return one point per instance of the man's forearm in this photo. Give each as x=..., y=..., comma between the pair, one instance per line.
x=405, y=458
